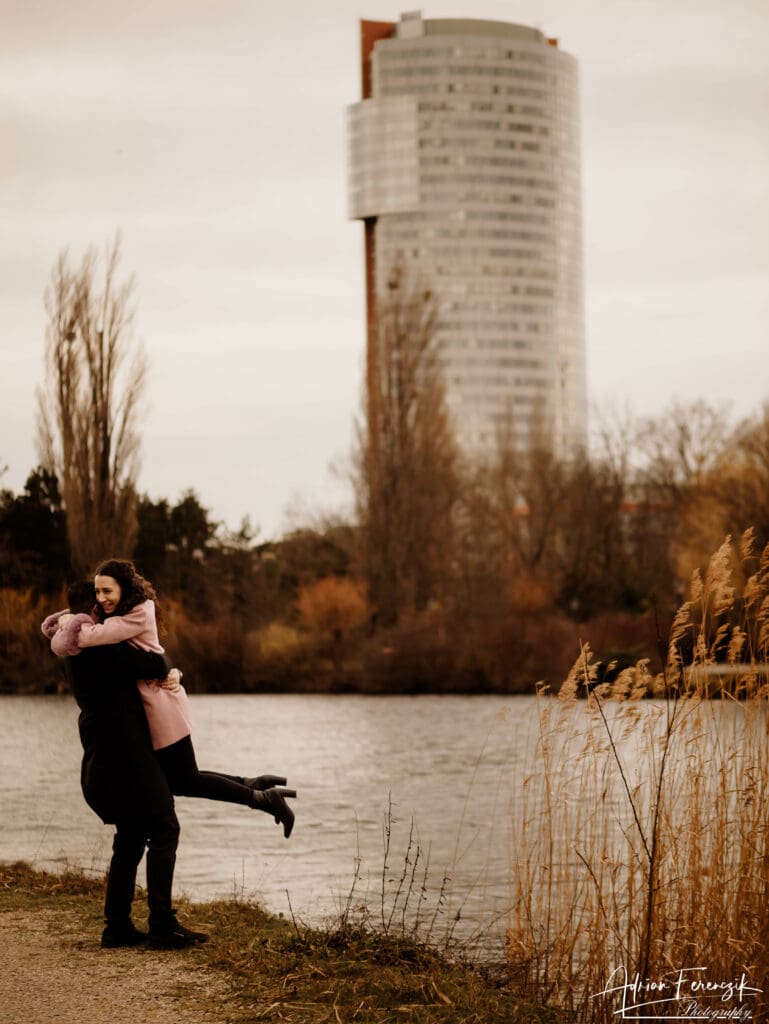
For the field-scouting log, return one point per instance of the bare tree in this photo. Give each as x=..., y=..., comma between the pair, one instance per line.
x=684, y=452
x=406, y=465
x=737, y=489
x=89, y=406
x=569, y=526
x=682, y=448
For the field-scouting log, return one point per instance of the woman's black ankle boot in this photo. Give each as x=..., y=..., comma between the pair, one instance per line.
x=272, y=801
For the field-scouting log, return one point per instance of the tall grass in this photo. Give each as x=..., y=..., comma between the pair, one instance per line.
x=641, y=835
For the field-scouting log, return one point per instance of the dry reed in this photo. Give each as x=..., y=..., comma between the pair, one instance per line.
x=641, y=842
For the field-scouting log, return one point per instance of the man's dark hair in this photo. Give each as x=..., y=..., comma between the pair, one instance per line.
x=81, y=596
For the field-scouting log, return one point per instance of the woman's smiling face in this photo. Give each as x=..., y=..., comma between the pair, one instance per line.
x=108, y=593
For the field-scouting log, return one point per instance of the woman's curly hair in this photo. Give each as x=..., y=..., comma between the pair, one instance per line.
x=134, y=589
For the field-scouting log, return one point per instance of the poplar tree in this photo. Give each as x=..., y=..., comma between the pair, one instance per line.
x=407, y=458
x=88, y=408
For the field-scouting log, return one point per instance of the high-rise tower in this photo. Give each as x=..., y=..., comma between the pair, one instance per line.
x=464, y=165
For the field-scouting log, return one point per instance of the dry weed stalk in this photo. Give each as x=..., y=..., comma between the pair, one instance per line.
x=643, y=830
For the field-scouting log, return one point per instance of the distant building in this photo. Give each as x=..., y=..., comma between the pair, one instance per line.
x=464, y=165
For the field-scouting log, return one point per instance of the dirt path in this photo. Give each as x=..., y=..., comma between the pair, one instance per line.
x=53, y=973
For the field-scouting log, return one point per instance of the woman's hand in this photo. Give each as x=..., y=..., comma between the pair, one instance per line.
x=64, y=619
x=173, y=681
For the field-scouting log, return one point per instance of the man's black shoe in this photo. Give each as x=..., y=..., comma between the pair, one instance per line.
x=176, y=937
x=118, y=936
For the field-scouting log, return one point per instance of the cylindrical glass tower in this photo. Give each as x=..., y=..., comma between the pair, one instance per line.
x=464, y=164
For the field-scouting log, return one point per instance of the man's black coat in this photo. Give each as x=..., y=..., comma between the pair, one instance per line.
x=121, y=777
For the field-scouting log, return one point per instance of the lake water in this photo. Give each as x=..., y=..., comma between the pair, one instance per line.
x=447, y=764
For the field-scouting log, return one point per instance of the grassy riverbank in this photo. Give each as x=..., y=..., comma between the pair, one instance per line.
x=275, y=969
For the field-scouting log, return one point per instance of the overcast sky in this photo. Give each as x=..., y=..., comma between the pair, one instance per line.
x=211, y=134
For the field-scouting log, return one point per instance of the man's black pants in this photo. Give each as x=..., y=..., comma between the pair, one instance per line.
x=160, y=836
